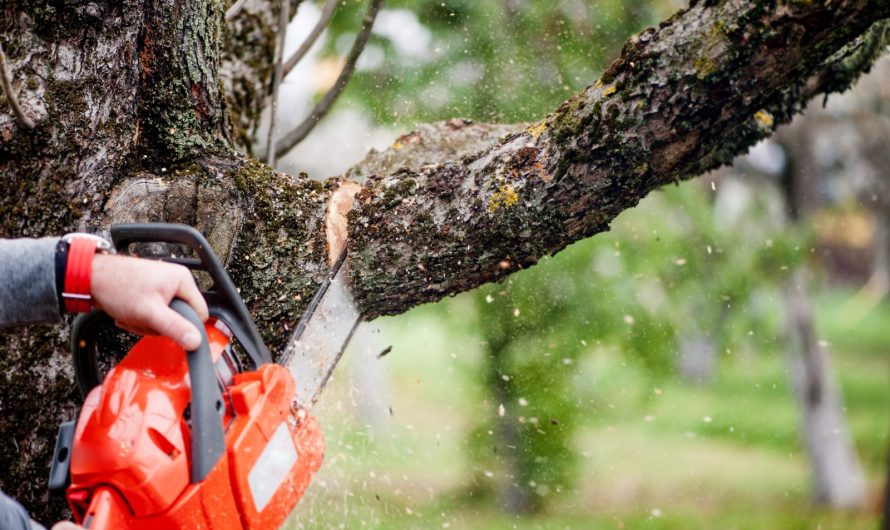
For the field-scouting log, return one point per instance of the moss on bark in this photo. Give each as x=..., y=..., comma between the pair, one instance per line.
x=280, y=257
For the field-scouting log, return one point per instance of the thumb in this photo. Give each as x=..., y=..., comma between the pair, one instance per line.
x=169, y=323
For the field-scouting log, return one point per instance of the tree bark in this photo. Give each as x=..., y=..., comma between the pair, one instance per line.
x=138, y=105
x=433, y=229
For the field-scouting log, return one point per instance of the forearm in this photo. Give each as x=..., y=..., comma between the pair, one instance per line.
x=28, y=282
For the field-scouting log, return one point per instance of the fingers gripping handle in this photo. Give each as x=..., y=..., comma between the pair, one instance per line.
x=224, y=302
x=208, y=439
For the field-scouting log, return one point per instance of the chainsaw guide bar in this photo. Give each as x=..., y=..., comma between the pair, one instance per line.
x=322, y=334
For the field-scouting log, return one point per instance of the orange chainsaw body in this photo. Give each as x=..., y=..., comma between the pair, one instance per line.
x=130, y=456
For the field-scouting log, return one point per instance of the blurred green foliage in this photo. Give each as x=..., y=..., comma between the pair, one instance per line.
x=673, y=270
x=496, y=61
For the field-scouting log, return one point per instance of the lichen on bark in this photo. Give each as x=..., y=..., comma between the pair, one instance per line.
x=181, y=99
x=642, y=125
x=280, y=257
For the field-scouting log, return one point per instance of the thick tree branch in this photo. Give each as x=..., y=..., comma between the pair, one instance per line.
x=679, y=101
x=296, y=136
x=845, y=66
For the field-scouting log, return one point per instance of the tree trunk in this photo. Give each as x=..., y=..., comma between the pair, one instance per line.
x=879, y=283
x=838, y=480
x=138, y=105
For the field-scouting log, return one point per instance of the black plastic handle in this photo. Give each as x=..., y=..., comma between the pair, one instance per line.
x=208, y=439
x=223, y=301
x=84, y=340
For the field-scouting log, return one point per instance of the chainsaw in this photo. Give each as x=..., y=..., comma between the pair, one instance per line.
x=217, y=438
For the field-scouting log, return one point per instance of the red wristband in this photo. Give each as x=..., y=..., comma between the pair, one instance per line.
x=78, y=272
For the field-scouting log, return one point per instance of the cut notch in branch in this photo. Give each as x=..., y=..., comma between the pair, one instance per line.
x=9, y=92
x=297, y=135
x=326, y=14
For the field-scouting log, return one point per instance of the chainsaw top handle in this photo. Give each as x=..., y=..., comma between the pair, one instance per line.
x=223, y=299
x=208, y=439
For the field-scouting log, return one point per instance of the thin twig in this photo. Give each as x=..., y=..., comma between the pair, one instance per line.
x=283, y=19
x=10, y=94
x=326, y=14
x=296, y=136
x=233, y=11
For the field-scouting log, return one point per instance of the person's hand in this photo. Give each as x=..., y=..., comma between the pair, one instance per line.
x=137, y=293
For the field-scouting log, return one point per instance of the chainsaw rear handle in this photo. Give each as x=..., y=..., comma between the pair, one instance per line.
x=223, y=299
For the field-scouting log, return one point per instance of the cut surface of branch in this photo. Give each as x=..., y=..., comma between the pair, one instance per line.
x=336, y=223
x=296, y=136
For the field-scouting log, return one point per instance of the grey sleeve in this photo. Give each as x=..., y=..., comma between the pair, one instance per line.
x=14, y=517
x=28, y=282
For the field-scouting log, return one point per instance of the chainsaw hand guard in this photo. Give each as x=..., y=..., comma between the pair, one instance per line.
x=223, y=299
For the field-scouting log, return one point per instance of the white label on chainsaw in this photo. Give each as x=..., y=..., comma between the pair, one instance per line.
x=271, y=467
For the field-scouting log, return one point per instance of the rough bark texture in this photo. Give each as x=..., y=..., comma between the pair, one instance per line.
x=78, y=65
x=131, y=123
x=681, y=100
